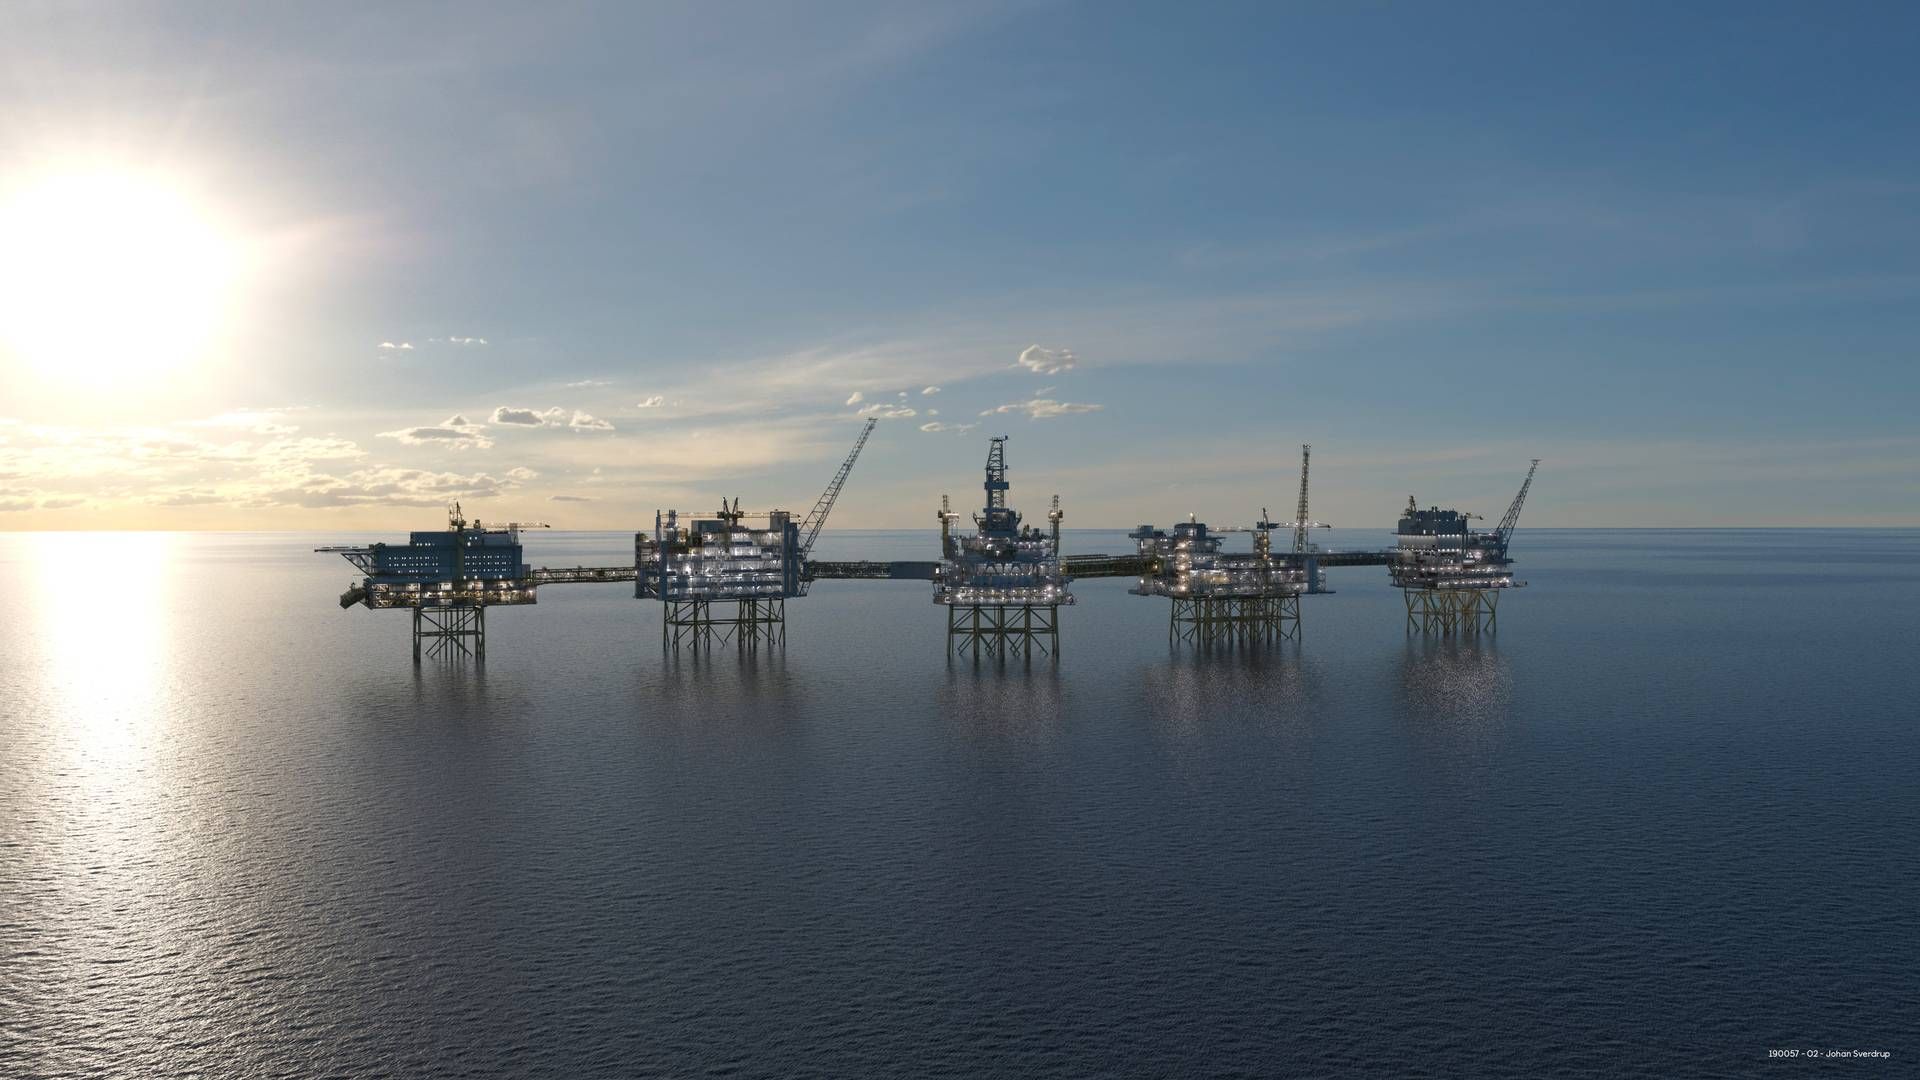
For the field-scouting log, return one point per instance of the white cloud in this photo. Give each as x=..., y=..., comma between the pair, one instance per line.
x=521, y=473
x=886, y=411
x=1043, y=408
x=457, y=341
x=456, y=431
x=460, y=438
x=570, y=498
x=585, y=422
x=930, y=391
x=588, y=384
x=938, y=426
x=1042, y=361
x=856, y=398
x=391, y=345
x=517, y=417
x=933, y=412
x=653, y=401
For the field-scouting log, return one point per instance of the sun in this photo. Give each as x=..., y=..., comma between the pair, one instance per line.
x=110, y=277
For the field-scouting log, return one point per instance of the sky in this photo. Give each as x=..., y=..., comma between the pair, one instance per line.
x=328, y=267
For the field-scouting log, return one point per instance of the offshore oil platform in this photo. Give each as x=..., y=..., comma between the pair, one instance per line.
x=746, y=564
x=1003, y=586
x=447, y=579
x=1220, y=597
x=725, y=579
x=1450, y=575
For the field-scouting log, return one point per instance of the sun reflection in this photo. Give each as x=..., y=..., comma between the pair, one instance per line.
x=100, y=613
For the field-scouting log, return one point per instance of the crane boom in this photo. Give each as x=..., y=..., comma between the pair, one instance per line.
x=1300, y=520
x=1505, y=531
x=817, y=517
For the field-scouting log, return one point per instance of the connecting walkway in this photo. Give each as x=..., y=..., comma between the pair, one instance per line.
x=1078, y=566
x=579, y=575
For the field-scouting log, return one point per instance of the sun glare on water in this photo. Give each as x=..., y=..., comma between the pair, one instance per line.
x=110, y=277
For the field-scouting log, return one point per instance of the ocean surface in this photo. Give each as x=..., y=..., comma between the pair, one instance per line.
x=1665, y=820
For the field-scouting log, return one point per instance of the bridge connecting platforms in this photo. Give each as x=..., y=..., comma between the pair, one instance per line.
x=870, y=570
x=1079, y=566
x=580, y=575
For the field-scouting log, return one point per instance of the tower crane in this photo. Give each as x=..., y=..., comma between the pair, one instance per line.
x=817, y=517
x=1505, y=531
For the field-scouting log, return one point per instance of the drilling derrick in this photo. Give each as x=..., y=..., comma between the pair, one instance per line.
x=1306, y=553
x=1220, y=597
x=1451, y=575
x=447, y=579
x=1002, y=586
x=1300, y=521
x=726, y=578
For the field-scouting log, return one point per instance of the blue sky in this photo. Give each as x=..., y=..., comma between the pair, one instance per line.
x=1670, y=251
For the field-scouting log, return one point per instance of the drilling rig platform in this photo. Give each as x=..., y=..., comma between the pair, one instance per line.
x=1003, y=585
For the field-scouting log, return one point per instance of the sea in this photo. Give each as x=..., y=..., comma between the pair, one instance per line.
x=1664, y=821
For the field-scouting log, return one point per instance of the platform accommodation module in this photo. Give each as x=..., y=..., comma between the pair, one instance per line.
x=448, y=578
